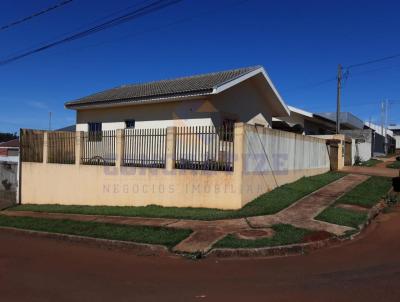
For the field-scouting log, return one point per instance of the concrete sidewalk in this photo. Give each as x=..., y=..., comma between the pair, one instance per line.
x=371, y=171
x=377, y=170
x=206, y=233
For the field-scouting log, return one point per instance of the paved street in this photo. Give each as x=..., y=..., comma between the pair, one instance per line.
x=36, y=269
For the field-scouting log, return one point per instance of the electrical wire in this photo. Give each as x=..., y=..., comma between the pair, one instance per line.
x=37, y=14
x=132, y=15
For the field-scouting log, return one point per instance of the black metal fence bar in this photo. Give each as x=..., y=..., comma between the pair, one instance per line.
x=99, y=148
x=31, y=145
x=145, y=148
x=61, y=147
x=204, y=148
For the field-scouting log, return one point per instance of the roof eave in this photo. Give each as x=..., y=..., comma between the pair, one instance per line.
x=132, y=102
x=260, y=70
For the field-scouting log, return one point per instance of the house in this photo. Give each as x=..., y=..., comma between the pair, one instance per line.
x=9, y=159
x=396, y=135
x=222, y=98
x=9, y=150
x=199, y=141
x=304, y=122
x=383, y=140
x=348, y=121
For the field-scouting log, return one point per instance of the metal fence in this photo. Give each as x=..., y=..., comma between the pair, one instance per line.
x=31, y=146
x=204, y=148
x=145, y=148
x=99, y=148
x=61, y=147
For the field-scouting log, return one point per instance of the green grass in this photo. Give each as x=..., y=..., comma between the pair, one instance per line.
x=342, y=217
x=368, y=193
x=284, y=234
x=394, y=165
x=269, y=203
x=140, y=234
x=370, y=163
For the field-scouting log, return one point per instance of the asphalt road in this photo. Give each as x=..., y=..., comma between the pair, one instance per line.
x=38, y=269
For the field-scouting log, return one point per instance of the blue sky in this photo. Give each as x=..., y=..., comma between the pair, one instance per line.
x=299, y=43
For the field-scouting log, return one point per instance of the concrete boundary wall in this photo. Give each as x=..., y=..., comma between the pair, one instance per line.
x=273, y=158
x=77, y=184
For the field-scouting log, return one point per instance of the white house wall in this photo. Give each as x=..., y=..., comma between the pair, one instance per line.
x=397, y=138
x=151, y=124
x=361, y=150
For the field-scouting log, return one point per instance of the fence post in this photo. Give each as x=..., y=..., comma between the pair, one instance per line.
x=119, y=150
x=45, y=146
x=78, y=147
x=239, y=148
x=170, y=152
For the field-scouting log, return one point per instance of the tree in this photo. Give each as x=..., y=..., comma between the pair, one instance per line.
x=4, y=136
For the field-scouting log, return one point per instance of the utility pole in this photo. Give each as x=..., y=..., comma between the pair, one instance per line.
x=339, y=86
x=386, y=125
x=382, y=116
x=50, y=121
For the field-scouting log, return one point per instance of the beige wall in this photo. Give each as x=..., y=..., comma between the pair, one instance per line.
x=44, y=183
x=127, y=186
x=245, y=103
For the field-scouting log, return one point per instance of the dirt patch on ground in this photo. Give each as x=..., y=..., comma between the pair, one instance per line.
x=255, y=234
x=316, y=236
x=352, y=207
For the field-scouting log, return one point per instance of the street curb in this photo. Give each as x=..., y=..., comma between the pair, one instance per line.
x=297, y=249
x=143, y=249
x=139, y=249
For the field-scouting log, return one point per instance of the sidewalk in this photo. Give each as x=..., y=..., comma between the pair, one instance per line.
x=371, y=171
x=207, y=233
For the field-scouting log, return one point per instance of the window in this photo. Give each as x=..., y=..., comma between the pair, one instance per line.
x=130, y=124
x=95, y=133
x=228, y=125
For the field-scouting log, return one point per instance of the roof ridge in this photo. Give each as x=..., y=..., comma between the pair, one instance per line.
x=248, y=69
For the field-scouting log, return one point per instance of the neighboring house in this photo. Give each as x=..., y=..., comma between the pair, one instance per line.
x=307, y=123
x=396, y=134
x=348, y=121
x=304, y=122
x=71, y=128
x=362, y=143
x=215, y=99
x=383, y=141
x=9, y=158
x=9, y=150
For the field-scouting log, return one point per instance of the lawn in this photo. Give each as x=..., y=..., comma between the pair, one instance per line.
x=140, y=234
x=394, y=165
x=269, y=203
x=366, y=194
x=343, y=217
x=370, y=163
x=284, y=234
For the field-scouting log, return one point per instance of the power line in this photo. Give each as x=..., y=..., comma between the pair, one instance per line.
x=165, y=26
x=139, y=12
x=44, y=11
x=374, y=61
